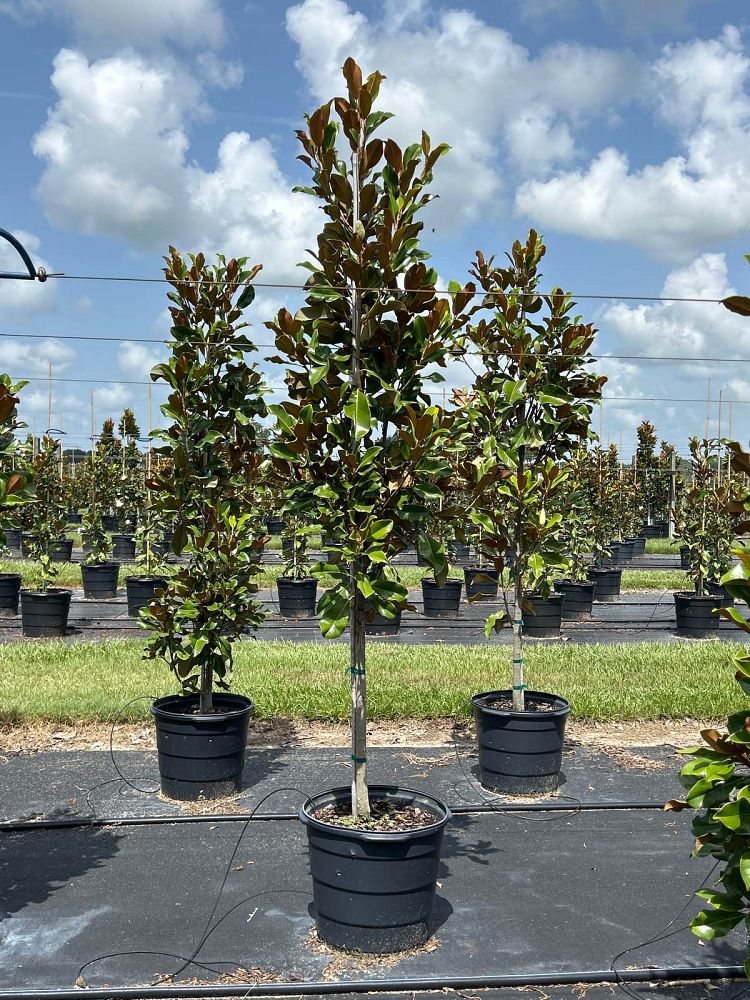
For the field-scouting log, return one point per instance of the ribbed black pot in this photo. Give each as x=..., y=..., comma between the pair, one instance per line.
x=461, y=552
x=100, y=580
x=45, y=615
x=13, y=538
x=123, y=547
x=684, y=557
x=651, y=531
x=27, y=543
x=10, y=587
x=141, y=590
x=201, y=756
x=297, y=598
x=723, y=599
x=544, y=622
x=607, y=582
x=377, y=624
x=481, y=582
x=73, y=517
x=275, y=525
x=639, y=544
x=61, y=551
x=663, y=527
x=441, y=602
x=578, y=599
x=110, y=522
x=695, y=615
x=374, y=892
x=520, y=752
x=625, y=553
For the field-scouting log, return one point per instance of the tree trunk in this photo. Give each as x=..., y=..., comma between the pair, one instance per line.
x=518, y=685
x=206, y=696
x=360, y=796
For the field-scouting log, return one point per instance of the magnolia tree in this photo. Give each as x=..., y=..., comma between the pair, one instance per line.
x=214, y=402
x=532, y=403
x=360, y=450
x=15, y=476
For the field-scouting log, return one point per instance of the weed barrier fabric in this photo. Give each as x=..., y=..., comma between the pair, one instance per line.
x=516, y=897
x=53, y=785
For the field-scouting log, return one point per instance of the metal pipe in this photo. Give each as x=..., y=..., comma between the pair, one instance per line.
x=32, y=272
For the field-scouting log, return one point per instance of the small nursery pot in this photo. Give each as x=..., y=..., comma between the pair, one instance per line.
x=45, y=615
x=123, y=547
x=27, y=543
x=578, y=599
x=374, y=891
x=275, y=525
x=141, y=590
x=695, y=616
x=441, y=602
x=377, y=624
x=201, y=756
x=480, y=582
x=297, y=598
x=639, y=544
x=13, y=538
x=520, y=752
x=607, y=583
x=684, y=557
x=544, y=621
x=100, y=580
x=10, y=587
x=61, y=550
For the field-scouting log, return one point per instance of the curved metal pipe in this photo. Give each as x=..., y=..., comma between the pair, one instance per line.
x=34, y=273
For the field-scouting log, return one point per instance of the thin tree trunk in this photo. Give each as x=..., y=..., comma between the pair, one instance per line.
x=518, y=684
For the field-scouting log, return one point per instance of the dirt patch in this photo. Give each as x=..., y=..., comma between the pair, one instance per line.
x=626, y=758
x=343, y=964
x=412, y=733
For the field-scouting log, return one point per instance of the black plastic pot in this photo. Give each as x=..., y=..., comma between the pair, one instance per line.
x=684, y=557
x=461, y=551
x=695, y=616
x=544, y=622
x=73, y=517
x=481, y=582
x=639, y=544
x=651, y=531
x=723, y=599
x=441, y=602
x=201, y=756
x=326, y=541
x=374, y=892
x=662, y=526
x=110, y=522
x=10, y=587
x=123, y=547
x=625, y=553
x=297, y=598
x=27, y=543
x=13, y=538
x=141, y=590
x=578, y=599
x=275, y=525
x=607, y=583
x=61, y=551
x=520, y=752
x=377, y=624
x=100, y=580
x=45, y=615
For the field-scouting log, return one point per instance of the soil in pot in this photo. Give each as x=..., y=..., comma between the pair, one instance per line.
x=543, y=616
x=201, y=756
x=100, y=580
x=45, y=614
x=10, y=588
x=297, y=598
x=61, y=551
x=481, y=582
x=141, y=590
x=123, y=547
x=578, y=599
x=694, y=615
x=374, y=889
x=607, y=583
x=441, y=602
x=520, y=753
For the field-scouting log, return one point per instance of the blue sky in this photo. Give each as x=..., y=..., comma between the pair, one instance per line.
x=618, y=128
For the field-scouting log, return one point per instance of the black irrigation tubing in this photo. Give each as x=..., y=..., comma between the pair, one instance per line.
x=381, y=986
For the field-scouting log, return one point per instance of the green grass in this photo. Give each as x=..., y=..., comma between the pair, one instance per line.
x=655, y=579
x=663, y=546
x=86, y=681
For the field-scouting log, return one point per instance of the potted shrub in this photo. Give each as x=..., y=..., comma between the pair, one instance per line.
x=152, y=573
x=694, y=611
x=99, y=573
x=214, y=402
x=576, y=529
x=441, y=599
x=600, y=473
x=364, y=460
x=15, y=486
x=44, y=610
x=296, y=588
x=532, y=401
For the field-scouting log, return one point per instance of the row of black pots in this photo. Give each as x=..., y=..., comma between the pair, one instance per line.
x=659, y=529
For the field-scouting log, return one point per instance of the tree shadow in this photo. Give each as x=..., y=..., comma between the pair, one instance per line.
x=458, y=844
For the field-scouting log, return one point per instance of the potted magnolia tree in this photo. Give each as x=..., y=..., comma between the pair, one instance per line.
x=601, y=477
x=152, y=572
x=214, y=402
x=360, y=452
x=575, y=537
x=15, y=485
x=533, y=399
x=99, y=573
x=297, y=589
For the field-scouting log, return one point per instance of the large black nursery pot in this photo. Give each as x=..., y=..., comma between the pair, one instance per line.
x=481, y=582
x=73, y=517
x=607, y=582
x=461, y=551
x=625, y=551
x=639, y=544
x=100, y=580
x=201, y=756
x=578, y=599
x=297, y=598
x=61, y=550
x=141, y=590
x=28, y=542
x=663, y=527
x=275, y=525
x=722, y=597
x=13, y=538
x=110, y=522
x=695, y=616
x=441, y=602
x=377, y=624
x=374, y=891
x=651, y=531
x=123, y=547
x=520, y=753
x=543, y=616
x=45, y=614
x=10, y=587
x=684, y=557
